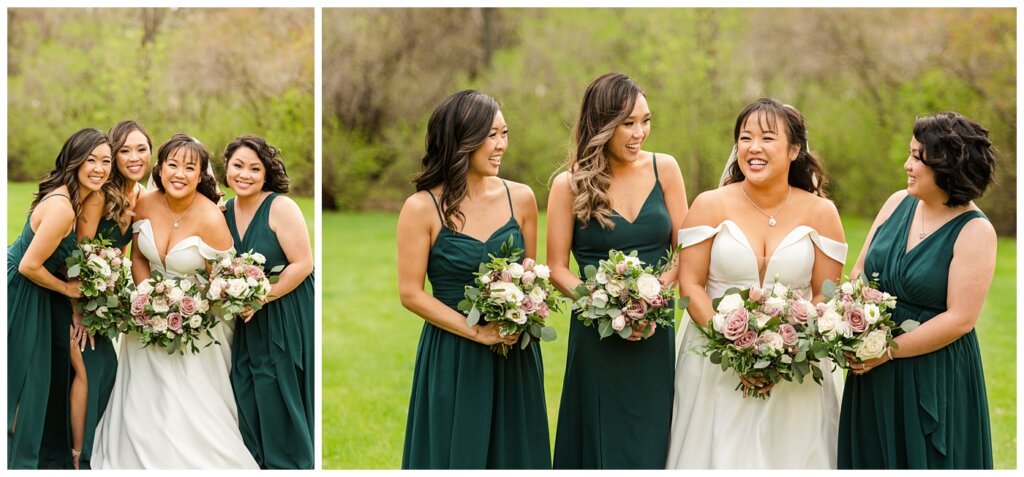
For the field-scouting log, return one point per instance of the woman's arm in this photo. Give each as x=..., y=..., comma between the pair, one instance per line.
x=675, y=200
x=287, y=222
x=561, y=222
x=828, y=225
x=56, y=219
x=526, y=212
x=695, y=260
x=414, y=230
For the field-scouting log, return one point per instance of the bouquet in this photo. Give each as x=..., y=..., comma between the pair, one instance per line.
x=172, y=313
x=237, y=283
x=105, y=273
x=622, y=294
x=764, y=334
x=857, y=320
x=519, y=296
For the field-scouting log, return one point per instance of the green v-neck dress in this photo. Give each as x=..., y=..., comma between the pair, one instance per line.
x=101, y=362
x=272, y=370
x=31, y=338
x=470, y=407
x=928, y=411
x=616, y=407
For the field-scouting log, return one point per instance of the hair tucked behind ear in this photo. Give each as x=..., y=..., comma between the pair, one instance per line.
x=607, y=102
x=72, y=155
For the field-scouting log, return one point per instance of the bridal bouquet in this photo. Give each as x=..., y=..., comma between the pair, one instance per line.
x=519, y=296
x=105, y=273
x=764, y=334
x=622, y=294
x=172, y=313
x=237, y=283
x=857, y=320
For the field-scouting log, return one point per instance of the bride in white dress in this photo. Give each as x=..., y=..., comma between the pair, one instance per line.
x=173, y=411
x=769, y=219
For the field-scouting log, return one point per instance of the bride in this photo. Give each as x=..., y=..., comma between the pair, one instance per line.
x=769, y=221
x=173, y=411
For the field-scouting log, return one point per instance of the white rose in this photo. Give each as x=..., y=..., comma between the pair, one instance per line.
x=648, y=287
x=888, y=300
x=100, y=284
x=872, y=313
x=843, y=328
x=847, y=288
x=516, y=270
x=827, y=322
x=185, y=285
x=601, y=277
x=499, y=290
x=145, y=288
x=542, y=271
x=202, y=306
x=215, y=289
x=225, y=262
x=236, y=287
x=251, y=282
x=779, y=290
x=158, y=323
x=133, y=295
x=538, y=295
x=761, y=319
x=772, y=339
x=719, y=321
x=259, y=258
x=730, y=303
x=775, y=302
x=195, y=321
x=87, y=248
x=615, y=287
x=99, y=264
x=599, y=299
x=175, y=294
x=872, y=346
x=485, y=278
x=631, y=261
x=160, y=305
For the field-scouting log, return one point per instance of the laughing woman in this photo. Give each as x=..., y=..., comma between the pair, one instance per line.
x=470, y=408
x=272, y=353
x=48, y=238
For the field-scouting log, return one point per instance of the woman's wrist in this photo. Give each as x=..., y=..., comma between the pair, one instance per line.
x=888, y=352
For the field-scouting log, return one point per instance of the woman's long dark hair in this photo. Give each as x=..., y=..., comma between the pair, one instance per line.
x=276, y=177
x=72, y=155
x=806, y=172
x=207, y=184
x=115, y=209
x=457, y=127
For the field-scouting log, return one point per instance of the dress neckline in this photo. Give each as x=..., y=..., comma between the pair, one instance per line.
x=906, y=233
x=146, y=225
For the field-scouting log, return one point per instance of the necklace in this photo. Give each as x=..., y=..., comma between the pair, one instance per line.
x=923, y=234
x=177, y=220
x=771, y=218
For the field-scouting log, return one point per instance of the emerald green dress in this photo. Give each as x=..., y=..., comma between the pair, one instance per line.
x=471, y=408
x=617, y=395
x=928, y=411
x=100, y=363
x=272, y=371
x=31, y=338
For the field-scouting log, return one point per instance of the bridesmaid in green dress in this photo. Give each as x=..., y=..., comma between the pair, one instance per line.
x=96, y=365
x=82, y=168
x=272, y=353
x=470, y=407
x=923, y=405
x=617, y=395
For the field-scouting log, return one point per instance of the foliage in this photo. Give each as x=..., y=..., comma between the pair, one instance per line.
x=212, y=73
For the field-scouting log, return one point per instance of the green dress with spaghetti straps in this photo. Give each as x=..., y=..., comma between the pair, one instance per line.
x=616, y=406
x=31, y=338
x=928, y=411
x=272, y=370
x=470, y=407
x=101, y=362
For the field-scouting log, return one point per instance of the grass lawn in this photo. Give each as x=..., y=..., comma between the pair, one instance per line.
x=369, y=344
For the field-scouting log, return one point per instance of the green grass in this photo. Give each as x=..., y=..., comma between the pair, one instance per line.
x=19, y=198
x=369, y=344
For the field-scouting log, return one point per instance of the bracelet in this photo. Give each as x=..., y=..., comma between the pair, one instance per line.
x=888, y=352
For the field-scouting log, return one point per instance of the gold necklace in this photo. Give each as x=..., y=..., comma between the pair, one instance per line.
x=923, y=234
x=177, y=220
x=771, y=218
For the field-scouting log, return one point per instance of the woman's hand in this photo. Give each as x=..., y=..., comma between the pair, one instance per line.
x=73, y=288
x=489, y=334
x=638, y=331
x=859, y=368
x=758, y=383
x=79, y=335
x=248, y=313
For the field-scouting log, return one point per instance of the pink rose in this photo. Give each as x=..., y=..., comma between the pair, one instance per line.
x=799, y=311
x=141, y=319
x=188, y=305
x=253, y=272
x=528, y=278
x=871, y=295
x=618, y=323
x=506, y=276
x=542, y=310
x=139, y=305
x=159, y=288
x=528, y=264
x=773, y=307
x=788, y=333
x=528, y=305
x=621, y=268
x=103, y=253
x=736, y=324
x=821, y=308
x=854, y=316
x=746, y=340
x=174, y=322
x=658, y=302
x=636, y=309
x=756, y=294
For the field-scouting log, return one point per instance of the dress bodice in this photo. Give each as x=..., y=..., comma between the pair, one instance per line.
x=17, y=249
x=258, y=235
x=183, y=258
x=734, y=261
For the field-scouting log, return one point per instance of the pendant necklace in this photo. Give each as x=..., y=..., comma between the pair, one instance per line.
x=771, y=218
x=177, y=220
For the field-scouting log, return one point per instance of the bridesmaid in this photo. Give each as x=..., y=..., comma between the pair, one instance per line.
x=936, y=252
x=95, y=365
x=272, y=353
x=47, y=239
x=617, y=395
x=470, y=408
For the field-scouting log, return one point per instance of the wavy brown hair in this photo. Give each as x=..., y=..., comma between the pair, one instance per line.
x=72, y=155
x=207, y=184
x=118, y=204
x=276, y=177
x=959, y=152
x=457, y=127
x=607, y=102
x=806, y=171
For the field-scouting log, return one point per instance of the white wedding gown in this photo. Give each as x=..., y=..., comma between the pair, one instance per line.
x=172, y=411
x=713, y=425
